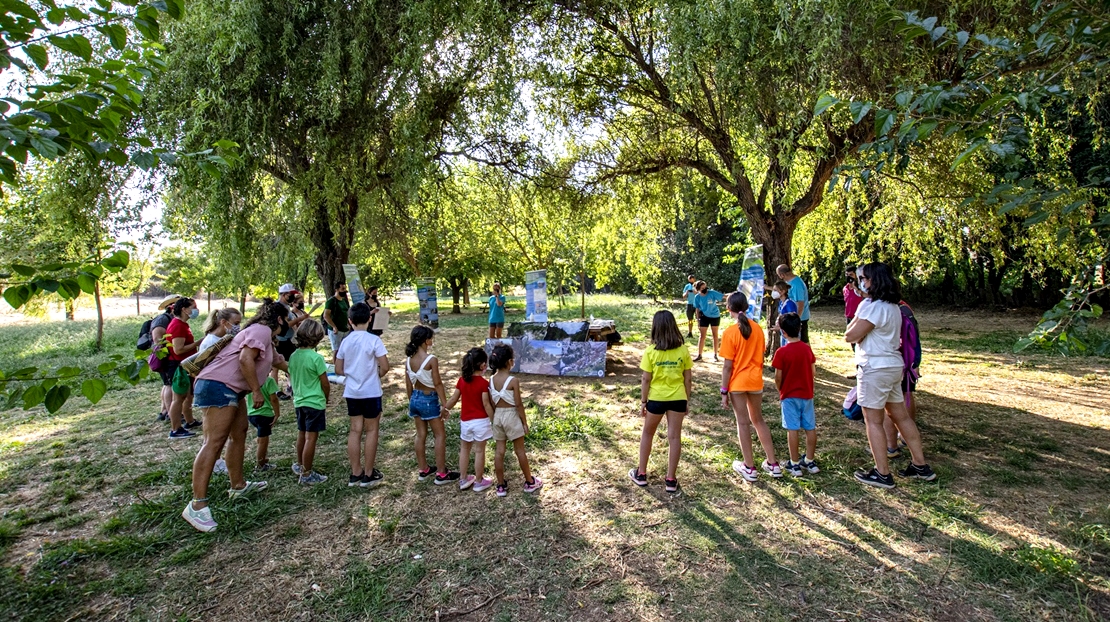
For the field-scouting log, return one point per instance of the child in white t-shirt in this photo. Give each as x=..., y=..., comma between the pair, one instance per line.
x=362, y=359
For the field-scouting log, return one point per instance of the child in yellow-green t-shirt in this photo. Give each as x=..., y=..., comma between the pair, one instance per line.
x=665, y=389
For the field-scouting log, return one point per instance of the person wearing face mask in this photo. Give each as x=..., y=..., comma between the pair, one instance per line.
x=852, y=297
x=224, y=322
x=288, y=296
x=335, y=316
x=799, y=293
x=181, y=346
x=781, y=292
x=372, y=302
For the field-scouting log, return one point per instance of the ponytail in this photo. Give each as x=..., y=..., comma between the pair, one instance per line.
x=738, y=303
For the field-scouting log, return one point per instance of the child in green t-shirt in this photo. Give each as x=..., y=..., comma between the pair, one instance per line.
x=308, y=373
x=263, y=419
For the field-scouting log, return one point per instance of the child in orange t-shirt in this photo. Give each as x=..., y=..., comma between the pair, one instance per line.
x=742, y=387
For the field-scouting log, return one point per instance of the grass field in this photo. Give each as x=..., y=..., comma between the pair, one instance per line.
x=1016, y=528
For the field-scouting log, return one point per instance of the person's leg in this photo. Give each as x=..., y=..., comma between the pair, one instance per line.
x=701, y=339
x=500, y=330
x=421, y=442
x=237, y=446
x=479, y=460
x=464, y=459
x=167, y=398
x=309, y=453
x=176, y=405
x=715, y=348
x=889, y=431
x=805, y=331
x=911, y=404
x=522, y=458
x=647, y=435
x=216, y=433
x=792, y=445
x=908, y=428
x=755, y=413
x=811, y=445
x=439, y=436
x=492, y=331
x=743, y=427
x=187, y=407
x=876, y=438
x=260, y=456
x=354, y=443
x=674, y=442
x=300, y=449
x=499, y=462
x=371, y=448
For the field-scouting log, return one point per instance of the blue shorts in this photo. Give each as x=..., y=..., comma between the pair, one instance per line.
x=797, y=414
x=311, y=419
x=264, y=425
x=215, y=394
x=423, y=405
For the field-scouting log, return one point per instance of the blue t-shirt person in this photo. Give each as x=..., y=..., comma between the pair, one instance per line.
x=788, y=306
x=496, y=311
x=689, y=293
x=799, y=293
x=707, y=303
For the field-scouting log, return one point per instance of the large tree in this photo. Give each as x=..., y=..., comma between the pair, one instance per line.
x=347, y=104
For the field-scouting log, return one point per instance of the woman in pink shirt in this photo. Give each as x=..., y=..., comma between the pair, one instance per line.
x=220, y=391
x=852, y=297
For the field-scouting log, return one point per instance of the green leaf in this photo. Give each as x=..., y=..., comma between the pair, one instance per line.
x=33, y=396
x=117, y=35
x=961, y=38
x=57, y=398
x=144, y=160
x=77, y=45
x=94, y=389
x=106, y=368
x=38, y=55
x=967, y=153
x=56, y=16
x=903, y=98
x=69, y=289
x=1037, y=218
x=23, y=270
x=823, y=103
x=859, y=110
x=116, y=261
x=230, y=144
x=87, y=283
x=17, y=296
x=884, y=120
x=67, y=372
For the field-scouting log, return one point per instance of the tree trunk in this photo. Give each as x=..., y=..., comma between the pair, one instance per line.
x=138, y=309
x=332, y=251
x=456, y=292
x=243, y=302
x=99, y=317
x=209, y=302
x=71, y=309
x=582, y=286
x=466, y=293
x=776, y=234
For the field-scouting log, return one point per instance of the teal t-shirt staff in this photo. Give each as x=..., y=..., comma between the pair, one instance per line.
x=496, y=312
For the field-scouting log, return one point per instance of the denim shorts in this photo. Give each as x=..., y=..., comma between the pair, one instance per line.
x=423, y=405
x=215, y=394
x=797, y=414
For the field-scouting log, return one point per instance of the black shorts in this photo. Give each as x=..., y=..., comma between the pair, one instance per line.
x=168, y=369
x=661, y=408
x=497, y=325
x=690, y=311
x=709, y=321
x=286, y=348
x=376, y=332
x=264, y=425
x=365, y=407
x=311, y=419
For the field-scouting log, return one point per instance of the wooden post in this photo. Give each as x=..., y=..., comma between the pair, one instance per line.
x=209, y=303
x=138, y=310
x=582, y=286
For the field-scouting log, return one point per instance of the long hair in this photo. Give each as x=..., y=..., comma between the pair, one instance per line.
x=664, y=331
x=881, y=284
x=214, y=319
x=738, y=303
x=418, y=337
x=472, y=363
x=269, y=314
x=500, y=357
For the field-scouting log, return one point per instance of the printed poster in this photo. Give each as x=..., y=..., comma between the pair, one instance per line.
x=535, y=296
x=354, y=285
x=583, y=359
x=751, y=280
x=429, y=302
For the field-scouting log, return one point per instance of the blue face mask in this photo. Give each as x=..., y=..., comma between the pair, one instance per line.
x=234, y=330
x=194, y=313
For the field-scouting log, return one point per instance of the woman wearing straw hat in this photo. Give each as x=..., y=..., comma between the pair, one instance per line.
x=157, y=332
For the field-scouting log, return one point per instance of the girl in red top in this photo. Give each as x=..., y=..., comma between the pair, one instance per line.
x=475, y=427
x=181, y=346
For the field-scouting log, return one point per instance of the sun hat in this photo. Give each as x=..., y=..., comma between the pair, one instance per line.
x=288, y=287
x=167, y=301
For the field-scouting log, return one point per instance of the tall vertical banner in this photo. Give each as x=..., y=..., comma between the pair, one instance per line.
x=751, y=280
x=429, y=302
x=535, y=296
x=354, y=285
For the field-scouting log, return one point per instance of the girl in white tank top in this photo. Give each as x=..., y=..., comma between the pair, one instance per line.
x=426, y=400
x=510, y=423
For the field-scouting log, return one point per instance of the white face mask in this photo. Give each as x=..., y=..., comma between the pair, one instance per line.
x=775, y=294
x=862, y=287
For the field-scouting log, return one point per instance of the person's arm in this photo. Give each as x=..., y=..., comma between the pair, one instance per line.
x=454, y=399
x=520, y=404
x=300, y=317
x=778, y=379
x=500, y=300
x=726, y=375
x=688, y=380
x=157, y=334
x=857, y=330
x=645, y=389
x=339, y=365
x=438, y=384
x=487, y=404
x=408, y=382
x=383, y=366
x=326, y=386
x=247, y=367
x=327, y=318
x=275, y=404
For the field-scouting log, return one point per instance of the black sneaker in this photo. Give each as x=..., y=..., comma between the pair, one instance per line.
x=922, y=472
x=369, y=481
x=283, y=396
x=447, y=478
x=423, y=476
x=671, y=485
x=163, y=416
x=182, y=433
x=640, y=479
x=355, y=480
x=874, y=478
x=195, y=424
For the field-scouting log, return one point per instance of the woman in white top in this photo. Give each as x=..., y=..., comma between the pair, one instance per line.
x=426, y=400
x=218, y=325
x=876, y=330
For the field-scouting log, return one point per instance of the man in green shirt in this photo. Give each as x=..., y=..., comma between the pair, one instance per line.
x=335, y=316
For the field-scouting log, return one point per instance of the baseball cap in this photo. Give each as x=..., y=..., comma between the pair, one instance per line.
x=285, y=289
x=168, y=300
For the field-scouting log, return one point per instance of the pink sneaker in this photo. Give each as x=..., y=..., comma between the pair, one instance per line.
x=466, y=482
x=536, y=484
x=200, y=519
x=483, y=485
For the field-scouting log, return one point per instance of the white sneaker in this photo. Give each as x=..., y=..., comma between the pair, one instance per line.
x=220, y=468
x=748, y=474
x=297, y=470
x=466, y=482
x=774, y=469
x=200, y=519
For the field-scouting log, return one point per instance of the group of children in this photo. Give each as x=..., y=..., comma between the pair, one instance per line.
x=666, y=388
x=490, y=409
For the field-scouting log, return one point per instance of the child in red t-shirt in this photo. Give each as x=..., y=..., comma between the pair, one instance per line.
x=795, y=367
x=475, y=427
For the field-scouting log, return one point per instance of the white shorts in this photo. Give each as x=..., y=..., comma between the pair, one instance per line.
x=875, y=388
x=476, y=430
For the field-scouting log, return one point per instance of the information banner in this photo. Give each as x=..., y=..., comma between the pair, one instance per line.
x=429, y=302
x=556, y=358
x=535, y=296
x=751, y=280
x=354, y=285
